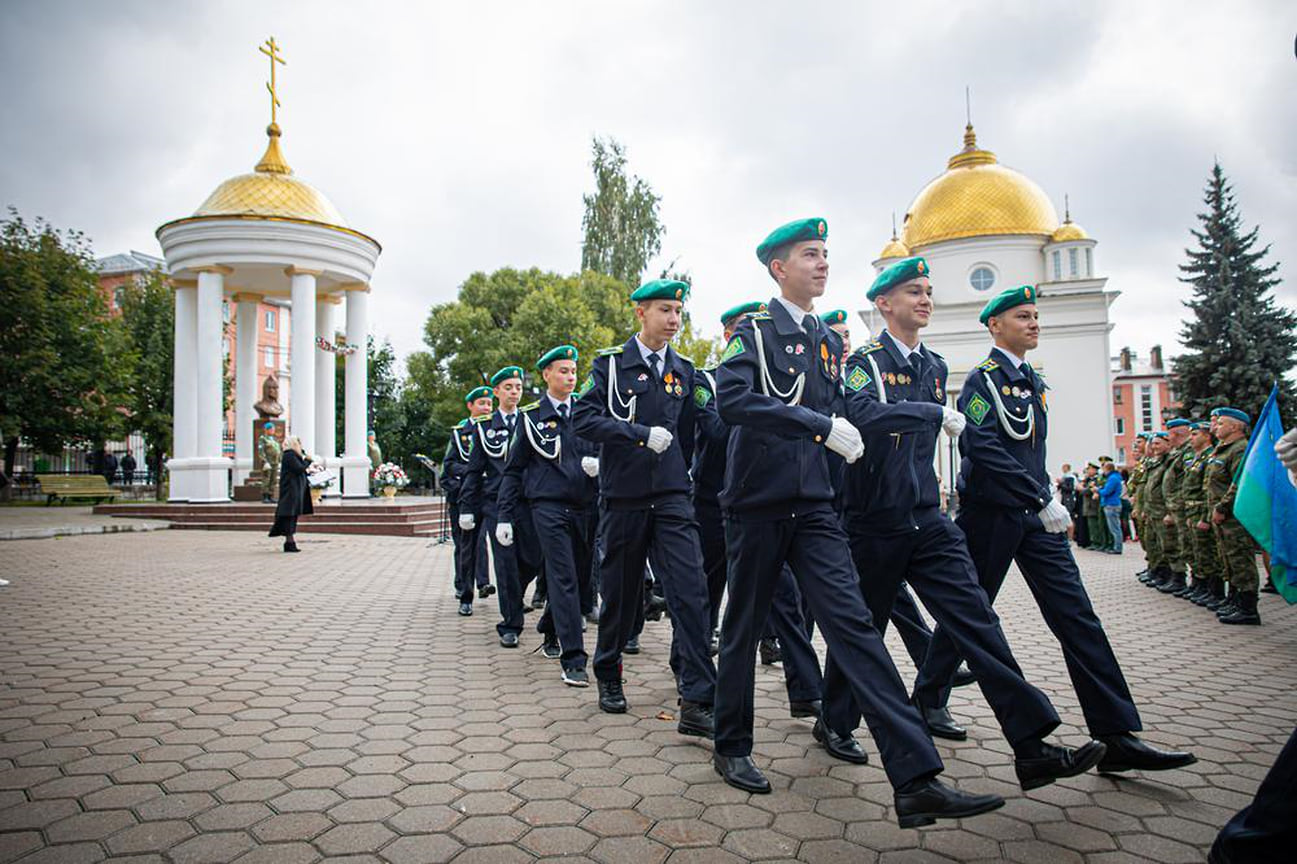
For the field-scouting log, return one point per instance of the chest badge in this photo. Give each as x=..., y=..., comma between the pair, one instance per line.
x=799, y=349
x=643, y=376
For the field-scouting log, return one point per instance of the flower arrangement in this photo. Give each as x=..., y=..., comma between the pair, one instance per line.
x=390, y=474
x=318, y=476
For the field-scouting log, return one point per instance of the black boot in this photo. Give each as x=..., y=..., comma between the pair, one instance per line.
x=1214, y=589
x=1221, y=597
x=291, y=546
x=612, y=698
x=1229, y=605
x=1189, y=587
x=1198, y=589
x=1162, y=577
x=769, y=651
x=1245, y=612
x=696, y=719
x=1172, y=585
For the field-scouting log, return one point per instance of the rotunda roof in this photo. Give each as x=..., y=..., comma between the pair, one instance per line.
x=894, y=249
x=1069, y=230
x=977, y=197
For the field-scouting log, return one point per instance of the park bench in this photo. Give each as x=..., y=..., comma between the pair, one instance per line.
x=69, y=486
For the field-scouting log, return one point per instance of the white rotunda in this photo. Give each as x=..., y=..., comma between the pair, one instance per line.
x=984, y=227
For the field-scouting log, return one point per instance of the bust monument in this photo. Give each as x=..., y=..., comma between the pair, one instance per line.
x=268, y=408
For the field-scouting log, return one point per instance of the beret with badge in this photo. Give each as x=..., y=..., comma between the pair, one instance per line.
x=478, y=393
x=661, y=289
x=1006, y=300
x=742, y=309
x=837, y=316
x=896, y=274
x=562, y=352
x=505, y=374
x=797, y=231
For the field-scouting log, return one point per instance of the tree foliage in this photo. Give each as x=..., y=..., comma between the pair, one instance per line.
x=621, y=228
x=1239, y=341
x=64, y=356
x=148, y=316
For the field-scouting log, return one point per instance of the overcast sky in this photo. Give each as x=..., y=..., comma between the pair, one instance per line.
x=458, y=134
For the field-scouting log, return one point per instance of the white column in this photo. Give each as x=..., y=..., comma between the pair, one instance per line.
x=301, y=397
x=245, y=385
x=355, y=466
x=212, y=472
x=185, y=406
x=326, y=418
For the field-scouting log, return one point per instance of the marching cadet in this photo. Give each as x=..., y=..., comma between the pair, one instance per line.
x=480, y=492
x=1152, y=507
x=897, y=531
x=1195, y=529
x=470, y=555
x=551, y=471
x=1009, y=514
x=638, y=404
x=1177, y=554
x=780, y=389
x=802, y=676
x=1237, y=550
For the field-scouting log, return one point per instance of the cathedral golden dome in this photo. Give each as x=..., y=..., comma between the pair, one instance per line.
x=1069, y=230
x=977, y=197
x=271, y=192
x=894, y=249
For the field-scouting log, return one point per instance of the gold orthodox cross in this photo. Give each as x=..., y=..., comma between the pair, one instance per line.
x=271, y=50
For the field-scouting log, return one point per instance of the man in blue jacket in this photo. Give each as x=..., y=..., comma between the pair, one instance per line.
x=1110, y=501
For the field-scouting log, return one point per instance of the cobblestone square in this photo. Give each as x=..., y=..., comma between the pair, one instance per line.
x=193, y=696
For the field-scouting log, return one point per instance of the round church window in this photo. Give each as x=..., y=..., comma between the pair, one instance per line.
x=982, y=278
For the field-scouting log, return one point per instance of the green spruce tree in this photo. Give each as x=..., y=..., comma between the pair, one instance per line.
x=1239, y=342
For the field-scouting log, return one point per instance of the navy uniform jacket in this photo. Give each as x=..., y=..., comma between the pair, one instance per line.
x=776, y=456
x=997, y=469
x=532, y=475
x=454, y=463
x=711, y=440
x=895, y=477
x=629, y=471
x=485, y=464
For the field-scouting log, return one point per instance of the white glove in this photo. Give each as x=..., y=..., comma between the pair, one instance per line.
x=590, y=466
x=1055, y=517
x=504, y=533
x=659, y=439
x=1286, y=449
x=952, y=421
x=844, y=439
x=467, y=522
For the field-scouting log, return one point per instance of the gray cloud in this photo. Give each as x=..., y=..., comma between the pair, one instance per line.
x=459, y=135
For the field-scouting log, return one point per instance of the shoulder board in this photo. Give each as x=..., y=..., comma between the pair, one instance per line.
x=759, y=316
x=529, y=406
x=485, y=419
x=988, y=365
x=461, y=424
x=608, y=352
x=869, y=348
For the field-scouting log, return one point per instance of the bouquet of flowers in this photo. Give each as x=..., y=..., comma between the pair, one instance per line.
x=317, y=476
x=390, y=474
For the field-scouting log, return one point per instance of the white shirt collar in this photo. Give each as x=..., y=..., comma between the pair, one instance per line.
x=1013, y=358
x=798, y=313
x=558, y=402
x=504, y=413
x=645, y=351
x=905, y=350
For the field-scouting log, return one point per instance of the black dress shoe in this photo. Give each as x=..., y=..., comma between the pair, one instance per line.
x=741, y=773
x=632, y=646
x=809, y=708
x=465, y=609
x=612, y=699
x=963, y=676
x=1054, y=763
x=940, y=724
x=842, y=747
x=696, y=719
x=923, y=802
x=1128, y=753
x=769, y=651
x=509, y=640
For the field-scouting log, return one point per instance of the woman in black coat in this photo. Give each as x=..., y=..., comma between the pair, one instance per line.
x=294, y=493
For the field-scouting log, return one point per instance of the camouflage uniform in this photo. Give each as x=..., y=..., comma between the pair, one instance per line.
x=271, y=453
x=1200, y=544
x=1237, y=549
x=1152, y=505
x=1133, y=487
x=1177, y=555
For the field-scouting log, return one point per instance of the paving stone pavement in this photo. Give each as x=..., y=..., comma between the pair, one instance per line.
x=201, y=697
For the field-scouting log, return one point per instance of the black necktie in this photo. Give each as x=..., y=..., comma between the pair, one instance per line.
x=810, y=324
x=562, y=412
x=654, y=360
x=508, y=421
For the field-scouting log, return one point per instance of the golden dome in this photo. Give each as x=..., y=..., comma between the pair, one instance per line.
x=977, y=197
x=1069, y=230
x=894, y=249
x=272, y=192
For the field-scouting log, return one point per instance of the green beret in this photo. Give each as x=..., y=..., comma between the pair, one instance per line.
x=1006, y=300
x=794, y=232
x=1232, y=413
x=902, y=271
x=1177, y=423
x=661, y=289
x=505, y=374
x=562, y=352
x=741, y=309
x=837, y=316
x=478, y=393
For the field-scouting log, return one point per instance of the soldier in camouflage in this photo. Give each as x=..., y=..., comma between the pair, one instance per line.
x=1137, y=471
x=1177, y=552
x=1237, y=549
x=1195, y=532
x=1151, y=507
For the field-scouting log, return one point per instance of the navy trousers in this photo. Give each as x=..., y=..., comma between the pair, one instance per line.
x=802, y=676
x=933, y=559
x=711, y=535
x=909, y=623
x=1265, y=831
x=812, y=543
x=664, y=530
x=565, y=548
x=467, y=546
x=515, y=568
x=999, y=536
